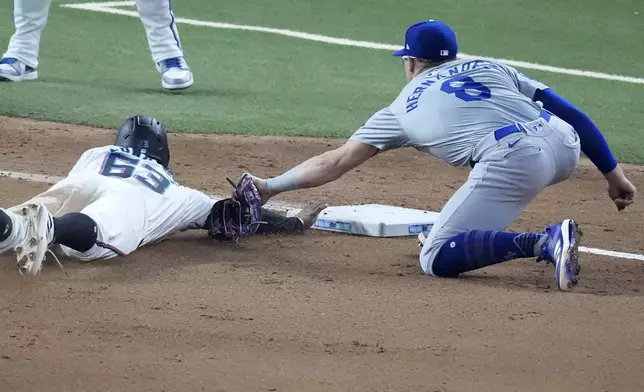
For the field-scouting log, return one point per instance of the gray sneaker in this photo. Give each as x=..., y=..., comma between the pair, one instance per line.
x=14, y=70
x=175, y=73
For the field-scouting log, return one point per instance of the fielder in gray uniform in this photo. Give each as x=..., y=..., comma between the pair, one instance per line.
x=517, y=134
x=20, y=61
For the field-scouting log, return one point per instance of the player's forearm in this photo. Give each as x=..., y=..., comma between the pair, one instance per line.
x=593, y=143
x=315, y=172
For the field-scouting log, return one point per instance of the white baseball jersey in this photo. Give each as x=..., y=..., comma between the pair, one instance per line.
x=133, y=200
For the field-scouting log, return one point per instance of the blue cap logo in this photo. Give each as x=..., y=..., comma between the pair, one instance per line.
x=429, y=40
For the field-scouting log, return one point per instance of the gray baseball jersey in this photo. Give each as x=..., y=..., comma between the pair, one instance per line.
x=446, y=111
x=452, y=112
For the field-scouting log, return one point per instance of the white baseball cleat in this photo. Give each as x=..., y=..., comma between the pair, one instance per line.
x=14, y=70
x=175, y=73
x=38, y=234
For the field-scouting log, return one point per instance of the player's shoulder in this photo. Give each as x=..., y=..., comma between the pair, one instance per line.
x=101, y=149
x=96, y=153
x=478, y=67
x=92, y=152
x=468, y=65
x=486, y=63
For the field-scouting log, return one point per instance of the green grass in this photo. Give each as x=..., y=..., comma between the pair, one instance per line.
x=96, y=70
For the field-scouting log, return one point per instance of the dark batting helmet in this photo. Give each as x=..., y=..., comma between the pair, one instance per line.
x=145, y=135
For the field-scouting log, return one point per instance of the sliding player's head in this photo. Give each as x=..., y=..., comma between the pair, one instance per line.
x=146, y=136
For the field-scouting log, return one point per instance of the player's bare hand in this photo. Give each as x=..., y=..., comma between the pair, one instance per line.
x=622, y=194
x=260, y=183
x=620, y=190
x=310, y=213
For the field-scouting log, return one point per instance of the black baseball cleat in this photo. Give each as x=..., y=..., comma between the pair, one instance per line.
x=6, y=225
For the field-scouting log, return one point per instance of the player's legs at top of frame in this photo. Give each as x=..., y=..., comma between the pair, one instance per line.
x=116, y=199
x=20, y=61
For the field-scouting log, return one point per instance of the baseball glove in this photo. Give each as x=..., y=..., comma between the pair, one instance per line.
x=239, y=215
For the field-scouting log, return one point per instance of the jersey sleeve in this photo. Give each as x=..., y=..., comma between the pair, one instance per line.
x=526, y=85
x=383, y=131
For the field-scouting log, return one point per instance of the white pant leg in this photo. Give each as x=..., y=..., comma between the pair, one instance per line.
x=160, y=27
x=120, y=217
x=117, y=208
x=504, y=182
x=132, y=217
x=62, y=198
x=30, y=18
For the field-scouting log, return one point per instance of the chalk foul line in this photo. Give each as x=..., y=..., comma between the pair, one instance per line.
x=290, y=209
x=111, y=7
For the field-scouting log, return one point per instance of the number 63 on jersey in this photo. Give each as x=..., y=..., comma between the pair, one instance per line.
x=122, y=164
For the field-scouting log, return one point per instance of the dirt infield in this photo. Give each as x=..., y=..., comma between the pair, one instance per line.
x=322, y=311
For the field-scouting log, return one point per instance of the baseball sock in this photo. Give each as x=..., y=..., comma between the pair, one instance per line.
x=75, y=230
x=476, y=249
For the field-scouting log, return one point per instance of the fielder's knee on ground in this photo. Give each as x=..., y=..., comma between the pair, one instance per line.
x=430, y=250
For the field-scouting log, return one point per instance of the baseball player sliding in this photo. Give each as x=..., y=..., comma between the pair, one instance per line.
x=20, y=61
x=487, y=115
x=120, y=197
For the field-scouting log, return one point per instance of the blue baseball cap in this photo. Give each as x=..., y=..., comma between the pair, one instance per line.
x=429, y=40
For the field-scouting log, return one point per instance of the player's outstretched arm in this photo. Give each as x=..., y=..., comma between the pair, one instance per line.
x=381, y=132
x=318, y=170
x=593, y=144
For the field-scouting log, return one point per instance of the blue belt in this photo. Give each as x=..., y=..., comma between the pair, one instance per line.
x=514, y=128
